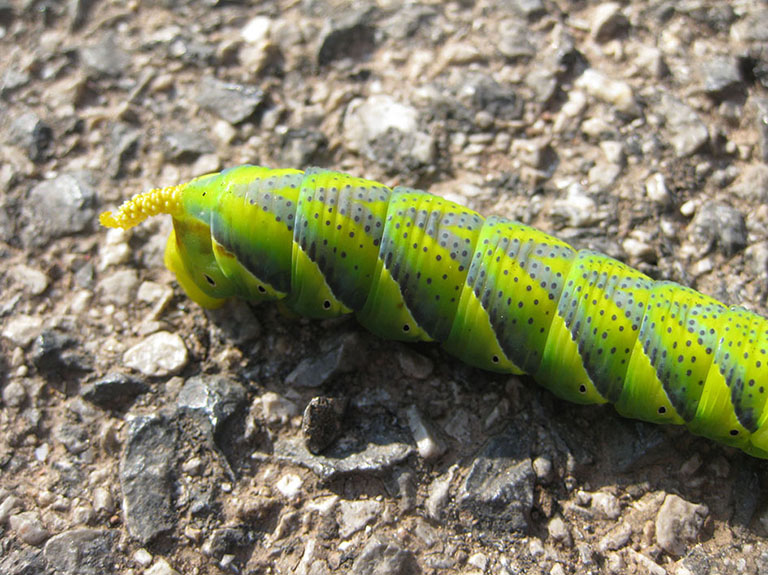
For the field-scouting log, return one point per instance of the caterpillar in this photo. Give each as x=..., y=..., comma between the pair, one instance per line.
x=496, y=293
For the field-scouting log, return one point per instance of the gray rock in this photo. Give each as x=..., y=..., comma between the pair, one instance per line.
x=543, y=80
x=159, y=355
x=385, y=558
x=191, y=48
x=608, y=22
x=752, y=183
x=559, y=531
x=616, y=538
x=617, y=93
x=372, y=443
x=187, y=144
x=678, y=524
x=322, y=422
x=23, y=562
x=22, y=329
x=543, y=468
x=515, y=39
x=28, y=527
x=113, y=391
x=119, y=287
x=355, y=515
x=577, y=208
x=224, y=540
x=531, y=9
x=684, y=128
x=301, y=147
x=409, y=20
x=721, y=77
x=29, y=132
x=78, y=11
x=720, y=226
x=428, y=440
x=656, y=189
x=698, y=562
x=145, y=476
x=347, y=36
x=212, y=397
x=33, y=281
x=751, y=27
x=344, y=357
x=105, y=58
x=81, y=552
x=122, y=146
x=73, y=436
x=606, y=504
x=54, y=352
x=387, y=132
x=14, y=394
x=757, y=258
x=414, y=364
x=500, y=100
x=498, y=491
x=13, y=79
x=58, y=207
x=161, y=567
x=234, y=103
x=439, y=495
x=237, y=322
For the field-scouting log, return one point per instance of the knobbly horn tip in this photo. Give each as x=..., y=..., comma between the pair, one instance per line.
x=144, y=205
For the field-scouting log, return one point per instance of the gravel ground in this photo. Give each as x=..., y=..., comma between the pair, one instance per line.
x=140, y=434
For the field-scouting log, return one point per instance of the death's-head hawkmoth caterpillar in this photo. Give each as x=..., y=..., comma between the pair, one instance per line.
x=496, y=293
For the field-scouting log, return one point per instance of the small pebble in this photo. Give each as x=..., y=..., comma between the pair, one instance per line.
x=22, y=329
x=542, y=467
x=606, y=504
x=142, y=557
x=103, y=502
x=429, y=444
x=161, y=567
x=608, y=22
x=289, y=485
x=559, y=531
x=277, y=409
x=159, y=355
x=10, y=504
x=615, y=92
x=14, y=394
x=616, y=538
x=678, y=524
x=28, y=527
x=656, y=189
x=355, y=515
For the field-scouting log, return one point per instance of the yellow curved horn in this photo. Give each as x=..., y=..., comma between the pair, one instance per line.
x=144, y=205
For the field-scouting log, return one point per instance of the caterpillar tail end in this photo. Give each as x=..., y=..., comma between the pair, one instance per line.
x=144, y=205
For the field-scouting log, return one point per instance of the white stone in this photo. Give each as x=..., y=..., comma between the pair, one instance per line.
x=355, y=515
x=429, y=445
x=22, y=329
x=615, y=92
x=161, y=567
x=289, y=485
x=159, y=355
x=142, y=557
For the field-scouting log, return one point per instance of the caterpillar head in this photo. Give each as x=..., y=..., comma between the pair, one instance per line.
x=189, y=251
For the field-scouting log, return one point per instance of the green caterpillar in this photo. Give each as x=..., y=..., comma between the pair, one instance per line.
x=496, y=293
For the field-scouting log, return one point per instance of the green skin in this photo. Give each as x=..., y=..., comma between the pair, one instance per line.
x=497, y=294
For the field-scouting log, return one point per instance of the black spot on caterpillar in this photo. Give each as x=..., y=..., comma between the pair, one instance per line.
x=496, y=293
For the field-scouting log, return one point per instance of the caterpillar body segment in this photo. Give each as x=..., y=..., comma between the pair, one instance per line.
x=496, y=293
